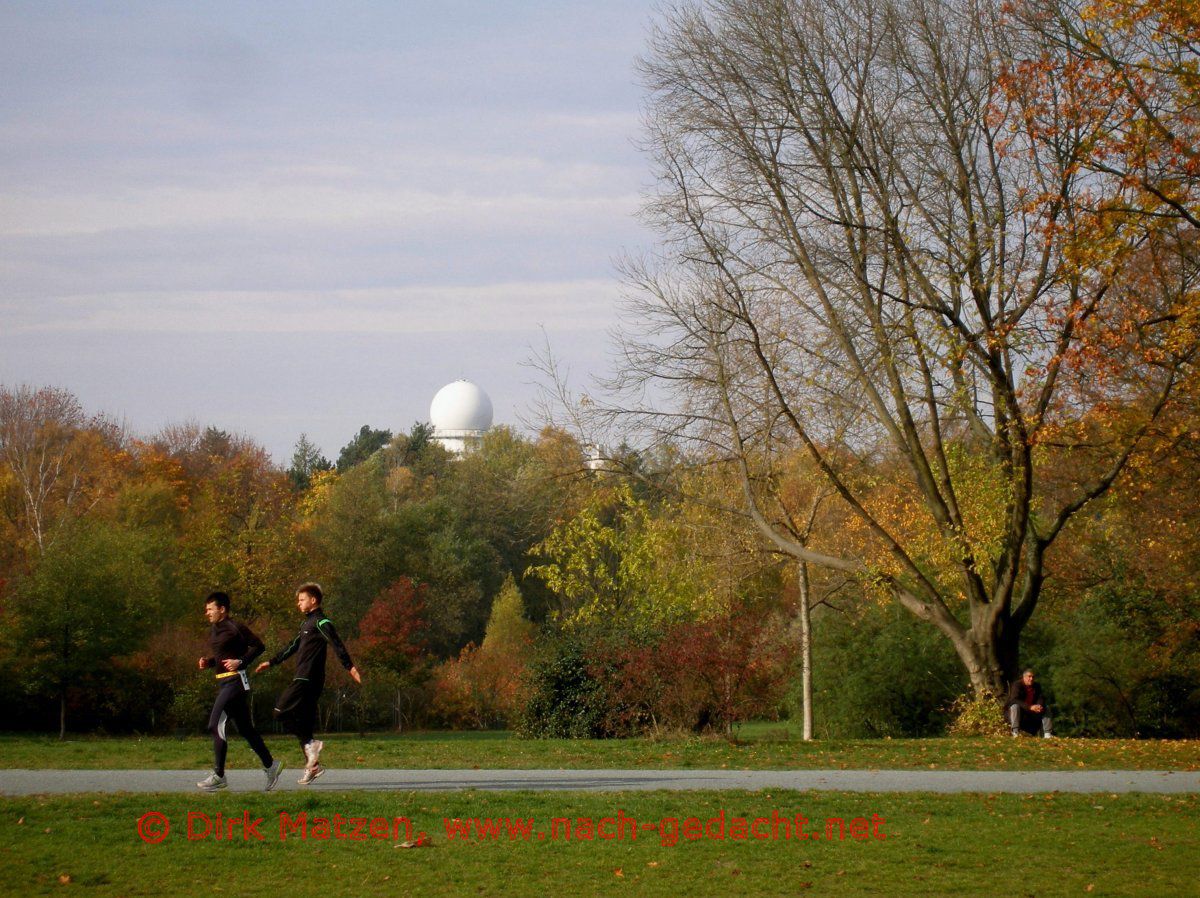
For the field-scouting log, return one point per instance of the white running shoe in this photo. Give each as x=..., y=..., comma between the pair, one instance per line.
x=213, y=783
x=272, y=773
x=312, y=751
x=310, y=774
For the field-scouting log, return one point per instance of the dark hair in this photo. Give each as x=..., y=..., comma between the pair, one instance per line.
x=220, y=599
x=312, y=589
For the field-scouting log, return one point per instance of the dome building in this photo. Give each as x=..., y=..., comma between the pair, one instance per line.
x=461, y=414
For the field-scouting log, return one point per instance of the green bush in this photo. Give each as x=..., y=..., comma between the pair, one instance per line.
x=1125, y=662
x=191, y=705
x=878, y=671
x=567, y=698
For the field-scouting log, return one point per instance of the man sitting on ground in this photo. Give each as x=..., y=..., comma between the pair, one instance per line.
x=1026, y=709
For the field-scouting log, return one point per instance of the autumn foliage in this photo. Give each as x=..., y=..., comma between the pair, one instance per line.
x=391, y=632
x=695, y=677
x=485, y=686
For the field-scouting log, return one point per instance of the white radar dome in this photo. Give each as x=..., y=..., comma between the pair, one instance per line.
x=460, y=407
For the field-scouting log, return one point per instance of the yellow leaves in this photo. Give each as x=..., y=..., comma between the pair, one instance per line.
x=982, y=491
x=316, y=497
x=619, y=559
x=401, y=481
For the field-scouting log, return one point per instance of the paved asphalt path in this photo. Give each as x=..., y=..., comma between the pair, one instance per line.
x=30, y=782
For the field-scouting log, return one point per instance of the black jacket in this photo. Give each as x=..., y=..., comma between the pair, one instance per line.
x=309, y=648
x=229, y=639
x=1016, y=695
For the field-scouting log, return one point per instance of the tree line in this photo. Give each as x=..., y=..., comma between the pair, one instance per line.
x=517, y=587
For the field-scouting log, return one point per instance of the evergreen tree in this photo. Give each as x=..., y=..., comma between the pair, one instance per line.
x=306, y=461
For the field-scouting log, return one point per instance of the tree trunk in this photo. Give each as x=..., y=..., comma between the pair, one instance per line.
x=986, y=680
x=806, y=712
x=62, y=686
x=978, y=655
x=1008, y=653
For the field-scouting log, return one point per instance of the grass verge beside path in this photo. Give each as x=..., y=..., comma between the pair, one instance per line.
x=935, y=845
x=761, y=747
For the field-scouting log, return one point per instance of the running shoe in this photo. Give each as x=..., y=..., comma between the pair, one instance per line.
x=312, y=751
x=272, y=773
x=310, y=774
x=213, y=783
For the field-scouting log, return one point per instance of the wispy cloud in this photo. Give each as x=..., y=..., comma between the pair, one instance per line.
x=292, y=204
x=419, y=309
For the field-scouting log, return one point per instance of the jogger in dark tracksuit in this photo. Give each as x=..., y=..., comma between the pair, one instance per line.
x=233, y=647
x=296, y=708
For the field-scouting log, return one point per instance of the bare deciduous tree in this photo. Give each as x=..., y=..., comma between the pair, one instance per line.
x=43, y=443
x=863, y=262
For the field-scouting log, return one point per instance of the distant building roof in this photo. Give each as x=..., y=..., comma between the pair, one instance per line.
x=460, y=408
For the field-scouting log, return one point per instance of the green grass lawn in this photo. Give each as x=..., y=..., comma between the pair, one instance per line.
x=761, y=746
x=935, y=845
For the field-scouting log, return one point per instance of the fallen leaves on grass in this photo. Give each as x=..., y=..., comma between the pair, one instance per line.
x=422, y=841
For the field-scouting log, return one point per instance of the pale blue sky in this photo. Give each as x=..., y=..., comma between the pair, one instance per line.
x=287, y=217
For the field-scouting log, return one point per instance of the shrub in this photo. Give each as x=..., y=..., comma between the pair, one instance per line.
x=974, y=716
x=1125, y=661
x=699, y=676
x=877, y=671
x=567, y=698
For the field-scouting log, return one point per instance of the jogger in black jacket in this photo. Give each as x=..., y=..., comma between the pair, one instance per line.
x=232, y=646
x=296, y=708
